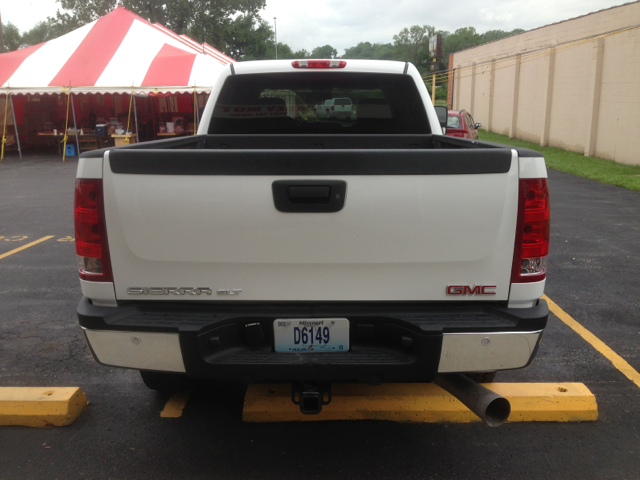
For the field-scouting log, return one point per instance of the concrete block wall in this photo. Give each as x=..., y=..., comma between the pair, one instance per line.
x=483, y=86
x=569, y=117
x=582, y=96
x=503, y=89
x=619, y=114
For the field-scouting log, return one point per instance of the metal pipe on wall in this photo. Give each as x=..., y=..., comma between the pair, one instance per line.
x=453, y=85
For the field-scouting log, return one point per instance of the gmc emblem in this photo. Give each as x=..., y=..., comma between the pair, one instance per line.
x=467, y=290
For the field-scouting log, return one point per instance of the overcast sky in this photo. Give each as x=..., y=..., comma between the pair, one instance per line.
x=343, y=24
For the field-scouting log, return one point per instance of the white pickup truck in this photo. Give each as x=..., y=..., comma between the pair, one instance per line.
x=335, y=108
x=272, y=247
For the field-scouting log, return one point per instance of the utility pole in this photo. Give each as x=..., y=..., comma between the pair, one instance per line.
x=275, y=26
x=433, y=84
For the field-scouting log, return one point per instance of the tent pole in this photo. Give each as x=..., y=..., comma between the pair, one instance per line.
x=15, y=125
x=154, y=124
x=4, y=124
x=135, y=119
x=75, y=126
x=66, y=127
x=197, y=110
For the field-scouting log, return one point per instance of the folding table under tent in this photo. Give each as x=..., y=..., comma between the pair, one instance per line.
x=120, y=53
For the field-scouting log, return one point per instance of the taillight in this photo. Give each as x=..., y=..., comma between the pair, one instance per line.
x=319, y=64
x=332, y=107
x=92, y=248
x=532, y=234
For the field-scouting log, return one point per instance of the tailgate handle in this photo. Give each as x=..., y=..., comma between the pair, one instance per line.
x=309, y=196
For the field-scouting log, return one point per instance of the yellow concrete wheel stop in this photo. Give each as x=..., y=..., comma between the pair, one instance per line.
x=41, y=406
x=424, y=402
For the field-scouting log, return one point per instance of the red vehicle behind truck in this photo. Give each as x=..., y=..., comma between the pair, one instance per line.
x=460, y=124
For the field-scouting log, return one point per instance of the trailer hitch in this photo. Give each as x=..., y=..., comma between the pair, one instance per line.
x=311, y=396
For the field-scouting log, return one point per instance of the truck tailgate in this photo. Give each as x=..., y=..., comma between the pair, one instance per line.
x=413, y=223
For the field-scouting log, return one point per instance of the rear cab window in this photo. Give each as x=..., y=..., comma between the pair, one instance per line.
x=285, y=103
x=454, y=121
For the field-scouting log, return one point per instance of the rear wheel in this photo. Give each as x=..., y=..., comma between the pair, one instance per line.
x=482, y=377
x=165, y=382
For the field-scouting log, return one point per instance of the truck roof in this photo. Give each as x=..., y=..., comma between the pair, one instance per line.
x=278, y=66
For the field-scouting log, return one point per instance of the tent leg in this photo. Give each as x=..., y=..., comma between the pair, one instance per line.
x=154, y=124
x=73, y=110
x=135, y=117
x=196, y=106
x=15, y=125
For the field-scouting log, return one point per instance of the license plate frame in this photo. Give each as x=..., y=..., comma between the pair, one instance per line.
x=289, y=333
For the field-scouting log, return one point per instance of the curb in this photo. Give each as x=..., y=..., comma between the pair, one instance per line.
x=426, y=403
x=41, y=406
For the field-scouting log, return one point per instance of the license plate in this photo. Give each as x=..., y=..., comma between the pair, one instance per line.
x=311, y=335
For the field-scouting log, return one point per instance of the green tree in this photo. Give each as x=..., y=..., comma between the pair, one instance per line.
x=367, y=50
x=11, y=37
x=301, y=54
x=232, y=26
x=326, y=51
x=491, y=35
x=63, y=23
x=412, y=44
x=461, y=39
x=467, y=37
x=180, y=16
x=284, y=52
x=41, y=32
x=85, y=11
x=441, y=89
x=248, y=38
x=211, y=21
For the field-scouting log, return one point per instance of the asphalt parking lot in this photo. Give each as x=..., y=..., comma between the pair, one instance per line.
x=594, y=265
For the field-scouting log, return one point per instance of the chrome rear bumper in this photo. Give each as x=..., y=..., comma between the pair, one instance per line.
x=461, y=352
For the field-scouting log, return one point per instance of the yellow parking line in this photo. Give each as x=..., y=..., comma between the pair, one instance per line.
x=175, y=405
x=618, y=362
x=24, y=247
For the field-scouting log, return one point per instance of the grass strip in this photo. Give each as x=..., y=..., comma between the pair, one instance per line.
x=593, y=168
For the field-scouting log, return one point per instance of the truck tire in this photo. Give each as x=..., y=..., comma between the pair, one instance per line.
x=165, y=382
x=482, y=377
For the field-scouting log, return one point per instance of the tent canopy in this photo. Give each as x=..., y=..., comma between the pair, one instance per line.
x=111, y=55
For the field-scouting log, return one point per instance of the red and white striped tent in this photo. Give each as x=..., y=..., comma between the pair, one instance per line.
x=113, y=54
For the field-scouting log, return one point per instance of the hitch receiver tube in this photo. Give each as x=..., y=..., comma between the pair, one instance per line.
x=311, y=396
